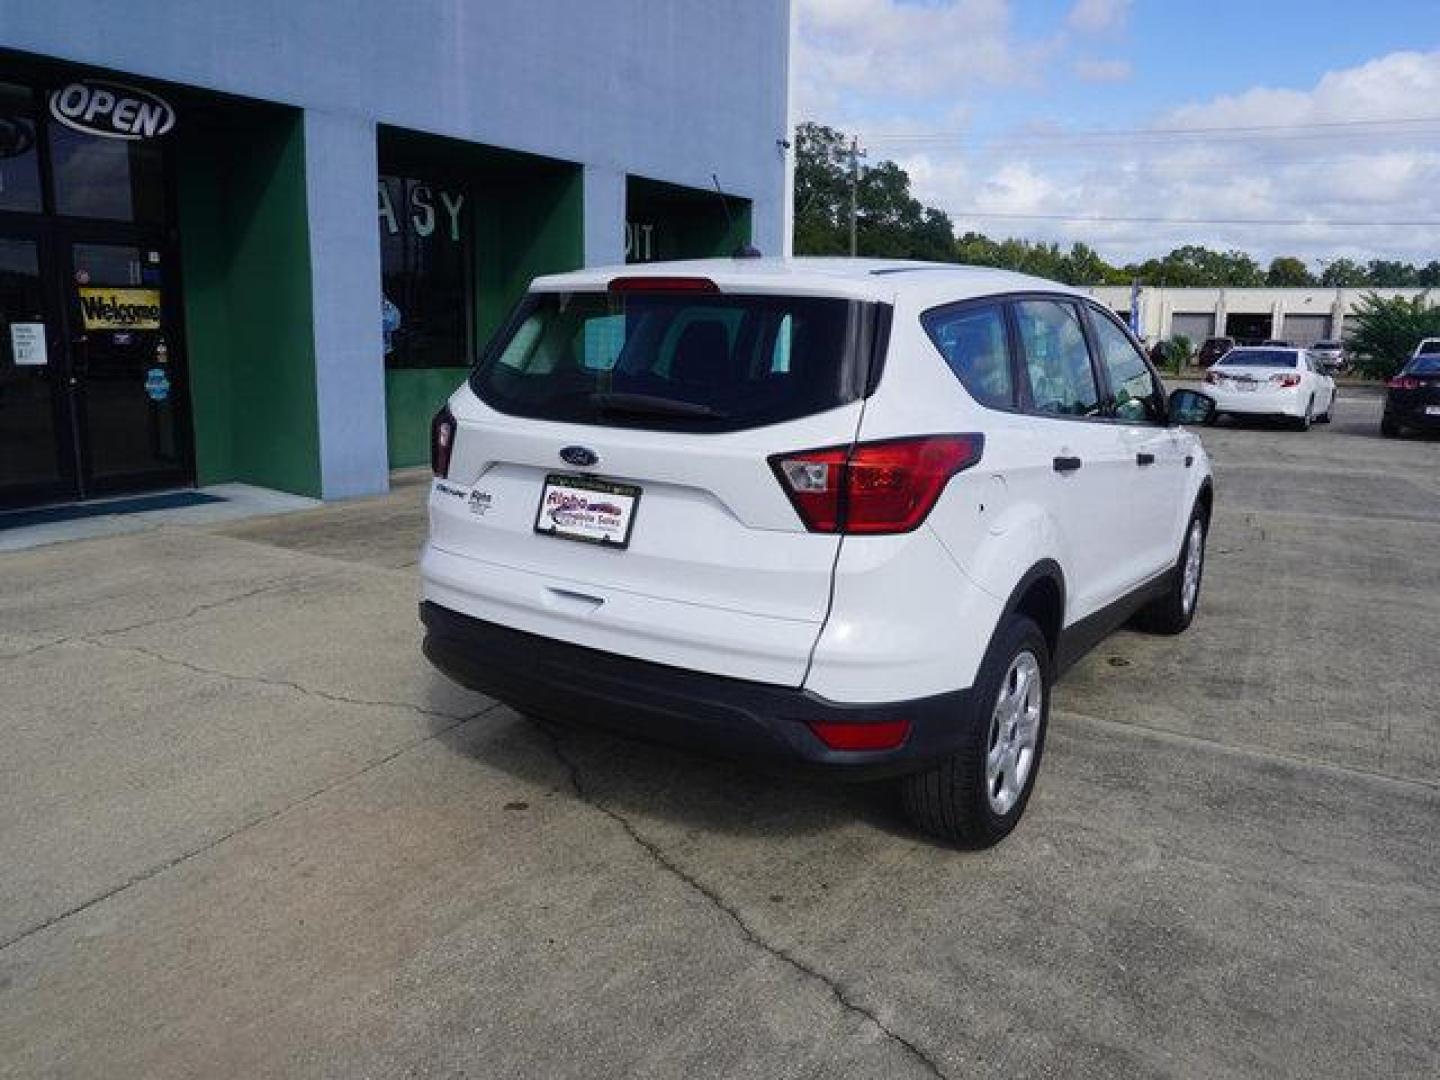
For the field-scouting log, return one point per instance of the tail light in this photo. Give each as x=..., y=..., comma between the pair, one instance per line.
x=885, y=735
x=442, y=441
x=873, y=488
x=1211, y=377
x=662, y=284
x=1404, y=382
x=1285, y=381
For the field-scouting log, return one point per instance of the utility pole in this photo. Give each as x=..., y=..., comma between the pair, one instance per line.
x=855, y=155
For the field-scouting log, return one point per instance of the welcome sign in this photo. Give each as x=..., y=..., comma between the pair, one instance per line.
x=120, y=309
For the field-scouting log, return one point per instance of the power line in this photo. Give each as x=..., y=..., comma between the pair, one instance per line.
x=1106, y=220
x=1113, y=133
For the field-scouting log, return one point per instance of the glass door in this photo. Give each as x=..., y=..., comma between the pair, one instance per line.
x=127, y=377
x=37, y=435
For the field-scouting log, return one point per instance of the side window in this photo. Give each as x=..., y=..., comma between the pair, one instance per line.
x=973, y=342
x=1057, y=360
x=1137, y=398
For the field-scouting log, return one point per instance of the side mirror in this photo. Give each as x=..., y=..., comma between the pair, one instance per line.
x=1190, y=407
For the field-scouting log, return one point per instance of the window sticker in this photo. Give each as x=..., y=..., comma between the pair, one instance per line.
x=157, y=384
x=119, y=309
x=27, y=344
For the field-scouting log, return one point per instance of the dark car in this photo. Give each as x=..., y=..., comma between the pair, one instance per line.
x=1213, y=349
x=1412, y=398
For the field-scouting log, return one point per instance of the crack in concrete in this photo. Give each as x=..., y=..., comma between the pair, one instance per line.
x=161, y=620
x=658, y=856
x=265, y=680
x=255, y=822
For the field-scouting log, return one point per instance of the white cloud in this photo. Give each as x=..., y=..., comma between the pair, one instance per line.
x=1314, y=175
x=1093, y=16
x=1103, y=71
x=889, y=51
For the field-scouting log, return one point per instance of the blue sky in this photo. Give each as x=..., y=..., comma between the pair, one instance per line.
x=988, y=71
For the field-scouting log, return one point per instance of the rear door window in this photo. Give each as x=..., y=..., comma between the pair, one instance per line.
x=712, y=362
x=1056, y=359
x=973, y=341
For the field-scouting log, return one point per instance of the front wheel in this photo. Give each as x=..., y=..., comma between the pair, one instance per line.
x=1389, y=428
x=976, y=796
x=1173, y=612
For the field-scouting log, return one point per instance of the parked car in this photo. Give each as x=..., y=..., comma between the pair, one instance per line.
x=1429, y=346
x=1213, y=349
x=1281, y=383
x=1412, y=398
x=1329, y=356
x=869, y=512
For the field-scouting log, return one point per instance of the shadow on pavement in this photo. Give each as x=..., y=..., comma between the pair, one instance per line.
x=632, y=777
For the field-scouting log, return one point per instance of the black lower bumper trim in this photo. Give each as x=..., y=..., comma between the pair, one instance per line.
x=715, y=713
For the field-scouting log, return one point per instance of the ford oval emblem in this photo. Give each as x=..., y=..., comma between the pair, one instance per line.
x=579, y=455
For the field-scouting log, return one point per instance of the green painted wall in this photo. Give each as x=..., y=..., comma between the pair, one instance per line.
x=412, y=397
x=526, y=219
x=248, y=328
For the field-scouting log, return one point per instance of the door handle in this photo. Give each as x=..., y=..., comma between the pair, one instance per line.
x=1067, y=464
x=1143, y=458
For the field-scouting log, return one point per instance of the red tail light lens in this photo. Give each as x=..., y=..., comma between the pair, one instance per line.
x=876, y=487
x=1404, y=382
x=442, y=441
x=1285, y=380
x=885, y=735
x=663, y=284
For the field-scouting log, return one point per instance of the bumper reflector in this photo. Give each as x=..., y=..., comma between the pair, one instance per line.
x=883, y=736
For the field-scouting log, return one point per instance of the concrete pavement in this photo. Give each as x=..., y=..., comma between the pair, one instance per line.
x=245, y=831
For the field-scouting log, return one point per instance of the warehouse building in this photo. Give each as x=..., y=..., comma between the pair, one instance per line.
x=1301, y=316
x=261, y=242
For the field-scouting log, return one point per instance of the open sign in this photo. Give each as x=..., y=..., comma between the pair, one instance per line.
x=112, y=110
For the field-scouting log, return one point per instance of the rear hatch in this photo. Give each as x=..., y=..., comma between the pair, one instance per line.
x=609, y=483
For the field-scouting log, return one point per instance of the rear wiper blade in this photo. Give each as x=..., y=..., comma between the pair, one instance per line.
x=648, y=404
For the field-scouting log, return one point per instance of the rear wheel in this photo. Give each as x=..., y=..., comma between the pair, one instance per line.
x=976, y=796
x=1303, y=422
x=1388, y=427
x=1173, y=612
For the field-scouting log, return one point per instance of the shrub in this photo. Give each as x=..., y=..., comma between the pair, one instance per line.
x=1383, y=333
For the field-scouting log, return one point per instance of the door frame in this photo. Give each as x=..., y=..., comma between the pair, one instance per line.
x=66, y=232
x=67, y=486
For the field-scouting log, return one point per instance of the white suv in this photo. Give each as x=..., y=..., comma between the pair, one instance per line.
x=846, y=513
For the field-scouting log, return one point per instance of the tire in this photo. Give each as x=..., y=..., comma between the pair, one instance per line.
x=1389, y=428
x=1173, y=612
x=1303, y=423
x=961, y=799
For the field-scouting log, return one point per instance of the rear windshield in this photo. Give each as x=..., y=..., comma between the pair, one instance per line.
x=1261, y=358
x=677, y=361
x=1326, y=345
x=1430, y=347
x=1424, y=365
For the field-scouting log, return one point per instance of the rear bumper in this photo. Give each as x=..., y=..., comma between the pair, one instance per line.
x=1257, y=402
x=714, y=713
x=1412, y=414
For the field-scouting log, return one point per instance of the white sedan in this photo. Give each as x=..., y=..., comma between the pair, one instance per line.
x=1271, y=381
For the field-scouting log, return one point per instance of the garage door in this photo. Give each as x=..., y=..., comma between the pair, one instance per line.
x=1197, y=326
x=1305, y=330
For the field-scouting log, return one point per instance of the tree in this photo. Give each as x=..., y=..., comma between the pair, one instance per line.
x=1385, y=272
x=1288, y=271
x=1343, y=273
x=1385, y=332
x=822, y=190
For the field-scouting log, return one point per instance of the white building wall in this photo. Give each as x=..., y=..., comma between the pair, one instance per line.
x=1159, y=305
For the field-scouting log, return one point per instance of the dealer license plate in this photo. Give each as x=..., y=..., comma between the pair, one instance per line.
x=587, y=509
x=1245, y=385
